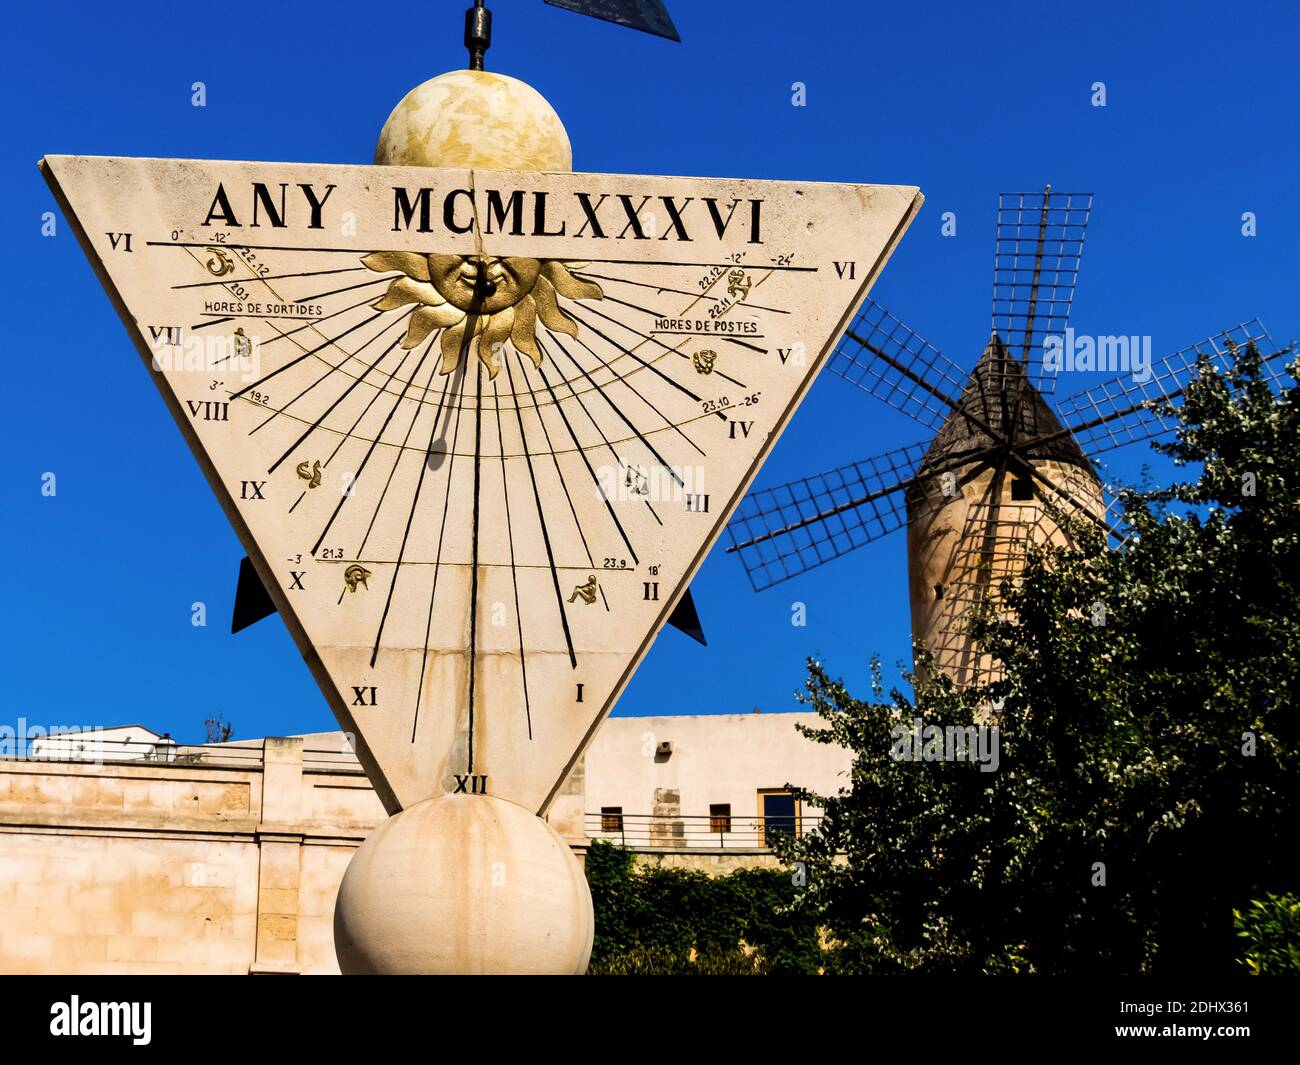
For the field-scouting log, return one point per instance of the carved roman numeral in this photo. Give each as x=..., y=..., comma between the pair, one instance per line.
x=209, y=410
x=173, y=333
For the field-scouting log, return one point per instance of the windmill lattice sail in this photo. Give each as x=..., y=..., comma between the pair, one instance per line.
x=1037, y=250
x=1006, y=469
x=1126, y=409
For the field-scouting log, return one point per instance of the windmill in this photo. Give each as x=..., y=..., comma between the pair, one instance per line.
x=1004, y=461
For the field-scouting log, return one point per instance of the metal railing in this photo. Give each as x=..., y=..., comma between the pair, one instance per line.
x=693, y=831
x=88, y=748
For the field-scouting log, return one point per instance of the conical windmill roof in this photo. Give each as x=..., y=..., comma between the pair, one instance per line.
x=990, y=396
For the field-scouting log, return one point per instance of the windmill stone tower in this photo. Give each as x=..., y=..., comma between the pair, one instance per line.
x=969, y=526
x=1003, y=460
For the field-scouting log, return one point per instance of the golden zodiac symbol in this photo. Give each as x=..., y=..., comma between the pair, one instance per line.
x=219, y=265
x=310, y=474
x=738, y=284
x=636, y=482
x=243, y=346
x=354, y=575
x=586, y=591
x=703, y=361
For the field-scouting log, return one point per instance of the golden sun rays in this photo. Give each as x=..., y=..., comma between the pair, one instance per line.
x=514, y=295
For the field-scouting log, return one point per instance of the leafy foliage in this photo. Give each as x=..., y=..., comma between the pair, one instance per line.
x=1158, y=752
x=677, y=921
x=1271, y=929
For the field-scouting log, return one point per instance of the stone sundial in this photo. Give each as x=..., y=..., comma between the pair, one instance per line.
x=476, y=425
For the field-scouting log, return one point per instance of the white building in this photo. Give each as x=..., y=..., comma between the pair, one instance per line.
x=702, y=781
x=117, y=743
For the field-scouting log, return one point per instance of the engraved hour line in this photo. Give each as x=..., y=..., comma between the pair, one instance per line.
x=389, y=277
x=306, y=299
x=584, y=275
x=346, y=436
x=615, y=376
x=473, y=573
x=628, y=422
x=609, y=507
x=711, y=336
x=623, y=379
x=348, y=356
x=401, y=451
x=467, y=346
x=533, y=393
x=330, y=409
x=573, y=313
x=559, y=474
x=305, y=355
x=373, y=400
x=677, y=350
x=581, y=450
x=374, y=443
x=670, y=424
x=415, y=500
x=364, y=251
x=328, y=316
x=437, y=570
x=514, y=571
x=541, y=518
x=728, y=265
x=276, y=277
x=331, y=367
x=336, y=291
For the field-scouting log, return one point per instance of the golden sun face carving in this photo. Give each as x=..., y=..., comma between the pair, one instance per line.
x=515, y=294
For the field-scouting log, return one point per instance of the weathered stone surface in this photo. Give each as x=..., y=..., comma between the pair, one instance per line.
x=501, y=415
x=464, y=884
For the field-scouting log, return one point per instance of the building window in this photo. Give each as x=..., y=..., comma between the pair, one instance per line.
x=778, y=812
x=611, y=819
x=1022, y=489
x=720, y=817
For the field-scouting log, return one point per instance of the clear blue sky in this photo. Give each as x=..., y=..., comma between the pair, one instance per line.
x=964, y=100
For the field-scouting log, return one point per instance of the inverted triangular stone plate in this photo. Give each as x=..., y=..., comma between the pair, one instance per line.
x=474, y=542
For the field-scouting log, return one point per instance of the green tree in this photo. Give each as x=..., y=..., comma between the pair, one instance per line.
x=1271, y=929
x=683, y=922
x=1149, y=767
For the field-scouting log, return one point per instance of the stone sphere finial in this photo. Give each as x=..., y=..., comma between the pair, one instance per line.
x=475, y=118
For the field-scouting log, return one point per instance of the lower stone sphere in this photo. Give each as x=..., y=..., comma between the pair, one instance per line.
x=464, y=884
x=475, y=118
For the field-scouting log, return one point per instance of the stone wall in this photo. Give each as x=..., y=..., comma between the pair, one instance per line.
x=228, y=859
x=226, y=866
